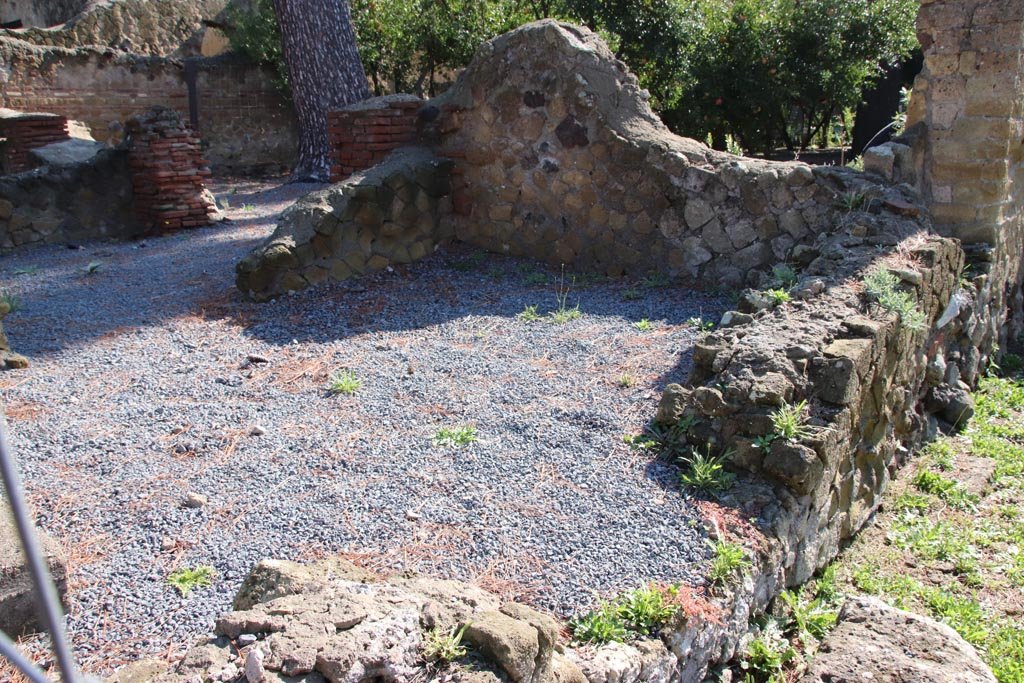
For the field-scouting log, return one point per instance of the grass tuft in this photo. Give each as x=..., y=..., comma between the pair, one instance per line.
x=444, y=647
x=344, y=382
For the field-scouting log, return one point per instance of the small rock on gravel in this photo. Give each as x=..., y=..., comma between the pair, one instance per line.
x=196, y=500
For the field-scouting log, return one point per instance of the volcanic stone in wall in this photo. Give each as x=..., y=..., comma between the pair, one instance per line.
x=560, y=157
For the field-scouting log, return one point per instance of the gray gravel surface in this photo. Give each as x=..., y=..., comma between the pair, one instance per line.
x=140, y=394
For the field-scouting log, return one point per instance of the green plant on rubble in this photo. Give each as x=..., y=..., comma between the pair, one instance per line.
x=852, y=201
x=767, y=655
x=810, y=617
x=777, y=296
x=633, y=613
x=704, y=472
x=644, y=325
x=564, y=313
x=529, y=314
x=882, y=287
x=626, y=380
x=789, y=421
x=728, y=559
x=186, y=579
x=599, y=626
x=10, y=301
x=646, y=609
x=443, y=647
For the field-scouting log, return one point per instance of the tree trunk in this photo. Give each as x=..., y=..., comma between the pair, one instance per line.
x=324, y=72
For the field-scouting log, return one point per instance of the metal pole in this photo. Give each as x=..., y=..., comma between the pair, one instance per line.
x=9, y=650
x=45, y=591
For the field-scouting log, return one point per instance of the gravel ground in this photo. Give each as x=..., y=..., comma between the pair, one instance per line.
x=137, y=397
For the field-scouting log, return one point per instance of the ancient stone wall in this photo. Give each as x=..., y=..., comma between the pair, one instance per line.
x=562, y=159
x=392, y=213
x=39, y=13
x=245, y=122
x=67, y=203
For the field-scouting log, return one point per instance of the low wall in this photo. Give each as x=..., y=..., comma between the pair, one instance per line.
x=59, y=204
x=246, y=124
x=392, y=213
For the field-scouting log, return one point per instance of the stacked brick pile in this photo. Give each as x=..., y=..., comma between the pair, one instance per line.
x=363, y=134
x=168, y=172
x=27, y=130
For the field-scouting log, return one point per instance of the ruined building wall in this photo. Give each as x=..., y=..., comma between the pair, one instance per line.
x=245, y=122
x=563, y=160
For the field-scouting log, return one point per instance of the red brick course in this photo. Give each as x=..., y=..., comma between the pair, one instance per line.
x=362, y=136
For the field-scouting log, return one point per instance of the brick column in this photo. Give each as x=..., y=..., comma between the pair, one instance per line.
x=168, y=172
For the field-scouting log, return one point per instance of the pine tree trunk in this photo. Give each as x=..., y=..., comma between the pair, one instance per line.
x=324, y=72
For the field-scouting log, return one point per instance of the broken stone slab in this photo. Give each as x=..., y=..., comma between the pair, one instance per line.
x=873, y=641
x=18, y=613
x=67, y=153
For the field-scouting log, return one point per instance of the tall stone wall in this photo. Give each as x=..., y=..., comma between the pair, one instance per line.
x=246, y=124
x=563, y=159
x=968, y=116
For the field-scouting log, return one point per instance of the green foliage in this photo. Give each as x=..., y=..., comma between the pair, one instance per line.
x=186, y=579
x=701, y=324
x=728, y=559
x=644, y=325
x=773, y=72
x=599, y=626
x=529, y=314
x=784, y=275
x=646, y=609
x=881, y=286
x=706, y=473
x=344, y=382
x=254, y=33
x=444, y=646
x=945, y=489
x=811, y=618
x=777, y=296
x=767, y=655
x=626, y=380
x=456, y=437
x=639, y=442
x=634, y=613
x=789, y=421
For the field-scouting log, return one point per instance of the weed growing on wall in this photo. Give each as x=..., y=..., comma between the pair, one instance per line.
x=444, y=646
x=882, y=287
